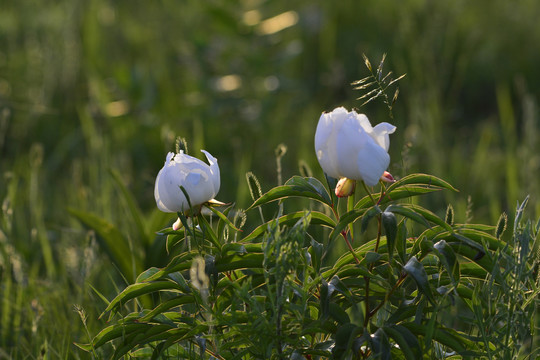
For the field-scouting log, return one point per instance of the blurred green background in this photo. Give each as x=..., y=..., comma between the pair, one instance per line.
x=90, y=86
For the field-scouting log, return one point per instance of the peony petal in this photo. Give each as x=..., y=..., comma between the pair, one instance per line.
x=352, y=139
x=372, y=161
x=168, y=184
x=380, y=134
x=325, y=140
x=364, y=122
x=157, y=194
x=214, y=171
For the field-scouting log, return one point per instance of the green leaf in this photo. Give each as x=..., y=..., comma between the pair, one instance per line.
x=428, y=181
x=347, y=258
x=174, y=238
x=416, y=270
x=448, y=258
x=237, y=262
x=380, y=345
x=455, y=340
x=372, y=257
x=113, y=241
x=138, y=289
x=429, y=216
x=316, y=251
x=296, y=186
x=483, y=261
x=519, y=213
x=317, y=218
x=179, y=263
x=370, y=214
x=408, y=213
x=224, y=218
x=147, y=274
x=481, y=238
x=344, y=338
x=175, y=336
x=407, y=341
x=403, y=192
x=134, y=210
x=208, y=232
x=143, y=336
x=346, y=219
x=401, y=241
x=84, y=347
x=390, y=228
x=169, y=304
x=117, y=330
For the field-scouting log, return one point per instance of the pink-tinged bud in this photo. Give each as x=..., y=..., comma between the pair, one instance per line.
x=177, y=224
x=387, y=177
x=345, y=187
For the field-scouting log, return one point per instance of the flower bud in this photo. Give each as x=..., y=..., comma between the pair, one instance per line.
x=177, y=224
x=387, y=177
x=345, y=187
x=199, y=180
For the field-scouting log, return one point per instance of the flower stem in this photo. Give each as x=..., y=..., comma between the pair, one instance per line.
x=368, y=192
x=344, y=234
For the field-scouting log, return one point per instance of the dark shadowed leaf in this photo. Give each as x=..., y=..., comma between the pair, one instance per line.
x=448, y=258
x=390, y=228
x=380, y=345
x=344, y=338
x=416, y=270
x=370, y=214
x=407, y=341
x=401, y=241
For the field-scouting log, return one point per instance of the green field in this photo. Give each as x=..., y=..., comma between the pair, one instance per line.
x=94, y=93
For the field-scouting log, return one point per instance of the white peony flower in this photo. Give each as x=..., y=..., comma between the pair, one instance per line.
x=348, y=146
x=200, y=180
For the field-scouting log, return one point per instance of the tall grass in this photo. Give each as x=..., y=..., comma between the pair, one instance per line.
x=90, y=86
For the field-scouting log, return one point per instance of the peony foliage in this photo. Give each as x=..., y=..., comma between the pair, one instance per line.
x=369, y=274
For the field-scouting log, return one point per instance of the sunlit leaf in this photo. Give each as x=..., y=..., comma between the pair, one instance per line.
x=208, y=232
x=408, y=213
x=224, y=218
x=317, y=218
x=147, y=274
x=421, y=179
x=138, y=289
x=299, y=187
